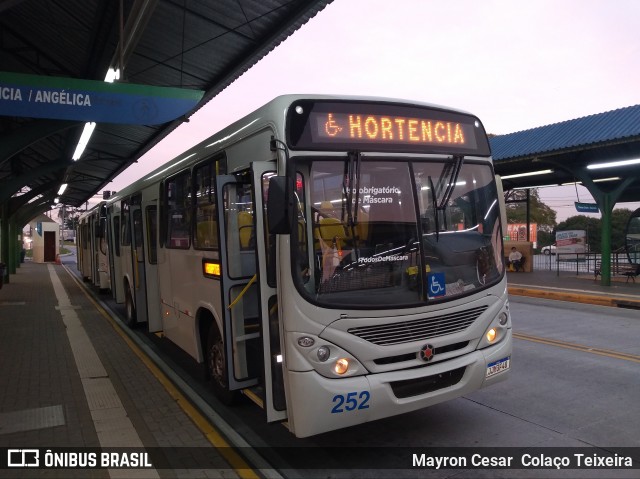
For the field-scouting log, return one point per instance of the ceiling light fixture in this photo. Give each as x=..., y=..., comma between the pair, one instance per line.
x=530, y=173
x=613, y=164
x=599, y=180
x=112, y=75
x=533, y=187
x=84, y=140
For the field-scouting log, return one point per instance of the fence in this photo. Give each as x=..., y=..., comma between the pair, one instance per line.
x=576, y=263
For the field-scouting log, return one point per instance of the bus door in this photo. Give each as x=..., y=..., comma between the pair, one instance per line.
x=251, y=330
x=151, y=265
x=137, y=260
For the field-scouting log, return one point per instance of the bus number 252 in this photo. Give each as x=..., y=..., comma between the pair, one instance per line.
x=350, y=402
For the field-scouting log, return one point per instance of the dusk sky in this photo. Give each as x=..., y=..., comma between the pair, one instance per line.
x=515, y=64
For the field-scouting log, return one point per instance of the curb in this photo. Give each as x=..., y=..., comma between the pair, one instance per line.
x=575, y=297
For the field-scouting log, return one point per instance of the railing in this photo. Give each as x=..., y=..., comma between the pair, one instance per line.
x=577, y=263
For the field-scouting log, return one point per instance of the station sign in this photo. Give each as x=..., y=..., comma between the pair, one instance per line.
x=587, y=207
x=34, y=96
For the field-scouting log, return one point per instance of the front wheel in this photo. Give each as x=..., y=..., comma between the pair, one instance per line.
x=217, y=368
x=547, y=252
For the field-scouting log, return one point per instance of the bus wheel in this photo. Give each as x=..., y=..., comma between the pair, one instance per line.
x=217, y=367
x=130, y=310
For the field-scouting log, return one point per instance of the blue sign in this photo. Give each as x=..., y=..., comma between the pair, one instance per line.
x=437, y=286
x=587, y=207
x=58, y=98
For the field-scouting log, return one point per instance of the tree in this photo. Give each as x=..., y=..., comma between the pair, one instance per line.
x=619, y=220
x=540, y=213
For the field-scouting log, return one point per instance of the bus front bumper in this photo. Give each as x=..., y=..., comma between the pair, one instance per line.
x=318, y=404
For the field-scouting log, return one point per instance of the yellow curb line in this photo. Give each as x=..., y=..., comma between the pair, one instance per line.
x=202, y=423
x=573, y=297
x=579, y=347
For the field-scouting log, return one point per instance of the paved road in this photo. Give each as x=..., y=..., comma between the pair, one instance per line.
x=575, y=383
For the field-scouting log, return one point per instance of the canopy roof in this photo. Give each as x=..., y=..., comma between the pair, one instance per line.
x=568, y=147
x=192, y=45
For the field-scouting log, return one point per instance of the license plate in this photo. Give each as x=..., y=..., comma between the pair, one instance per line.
x=498, y=366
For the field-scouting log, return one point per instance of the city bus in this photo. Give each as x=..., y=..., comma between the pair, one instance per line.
x=336, y=259
x=92, y=247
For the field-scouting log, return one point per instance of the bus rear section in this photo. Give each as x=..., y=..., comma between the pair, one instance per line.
x=93, y=247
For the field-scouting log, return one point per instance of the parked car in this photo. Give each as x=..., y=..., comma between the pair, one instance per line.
x=551, y=249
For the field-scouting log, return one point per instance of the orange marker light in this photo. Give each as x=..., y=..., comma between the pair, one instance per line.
x=211, y=269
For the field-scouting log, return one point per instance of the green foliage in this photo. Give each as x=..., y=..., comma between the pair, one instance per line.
x=540, y=213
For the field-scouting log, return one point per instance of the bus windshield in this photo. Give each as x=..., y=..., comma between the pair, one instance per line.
x=395, y=233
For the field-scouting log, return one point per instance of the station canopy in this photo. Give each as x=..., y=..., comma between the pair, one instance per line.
x=182, y=44
x=566, y=152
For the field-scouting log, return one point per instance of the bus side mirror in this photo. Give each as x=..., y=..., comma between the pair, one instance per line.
x=277, y=206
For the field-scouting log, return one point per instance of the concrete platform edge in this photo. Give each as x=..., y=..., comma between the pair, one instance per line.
x=595, y=299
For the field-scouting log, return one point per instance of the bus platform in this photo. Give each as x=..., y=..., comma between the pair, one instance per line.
x=70, y=379
x=582, y=288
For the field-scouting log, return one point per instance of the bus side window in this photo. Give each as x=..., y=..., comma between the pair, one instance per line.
x=206, y=231
x=152, y=246
x=126, y=226
x=178, y=201
x=116, y=234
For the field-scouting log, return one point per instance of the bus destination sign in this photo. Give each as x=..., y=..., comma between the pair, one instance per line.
x=387, y=127
x=391, y=129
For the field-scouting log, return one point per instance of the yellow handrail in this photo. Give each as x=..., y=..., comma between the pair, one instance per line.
x=251, y=281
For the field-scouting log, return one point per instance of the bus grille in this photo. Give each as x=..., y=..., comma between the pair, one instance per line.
x=415, y=387
x=418, y=329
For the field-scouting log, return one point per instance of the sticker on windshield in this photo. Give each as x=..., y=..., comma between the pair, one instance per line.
x=377, y=195
x=437, y=286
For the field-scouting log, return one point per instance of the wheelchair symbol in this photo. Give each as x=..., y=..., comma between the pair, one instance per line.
x=331, y=127
x=436, y=285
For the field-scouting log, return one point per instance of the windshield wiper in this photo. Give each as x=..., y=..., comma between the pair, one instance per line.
x=452, y=171
x=351, y=188
x=455, y=171
x=436, y=214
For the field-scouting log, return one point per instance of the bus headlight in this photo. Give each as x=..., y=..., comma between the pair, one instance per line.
x=342, y=366
x=310, y=352
x=323, y=353
x=496, y=331
x=492, y=334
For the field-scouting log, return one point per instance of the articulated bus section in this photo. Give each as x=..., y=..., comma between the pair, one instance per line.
x=93, y=247
x=341, y=273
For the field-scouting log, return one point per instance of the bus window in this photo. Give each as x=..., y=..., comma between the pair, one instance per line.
x=369, y=239
x=178, y=201
x=137, y=231
x=152, y=246
x=126, y=226
x=206, y=234
x=240, y=229
x=116, y=234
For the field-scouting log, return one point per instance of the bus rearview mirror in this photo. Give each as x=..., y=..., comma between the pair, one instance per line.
x=277, y=206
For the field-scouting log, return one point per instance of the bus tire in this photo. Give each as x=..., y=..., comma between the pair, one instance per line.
x=217, y=367
x=130, y=310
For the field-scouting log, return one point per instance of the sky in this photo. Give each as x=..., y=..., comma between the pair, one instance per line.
x=515, y=64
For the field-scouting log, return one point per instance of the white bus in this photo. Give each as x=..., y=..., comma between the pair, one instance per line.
x=92, y=247
x=338, y=259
